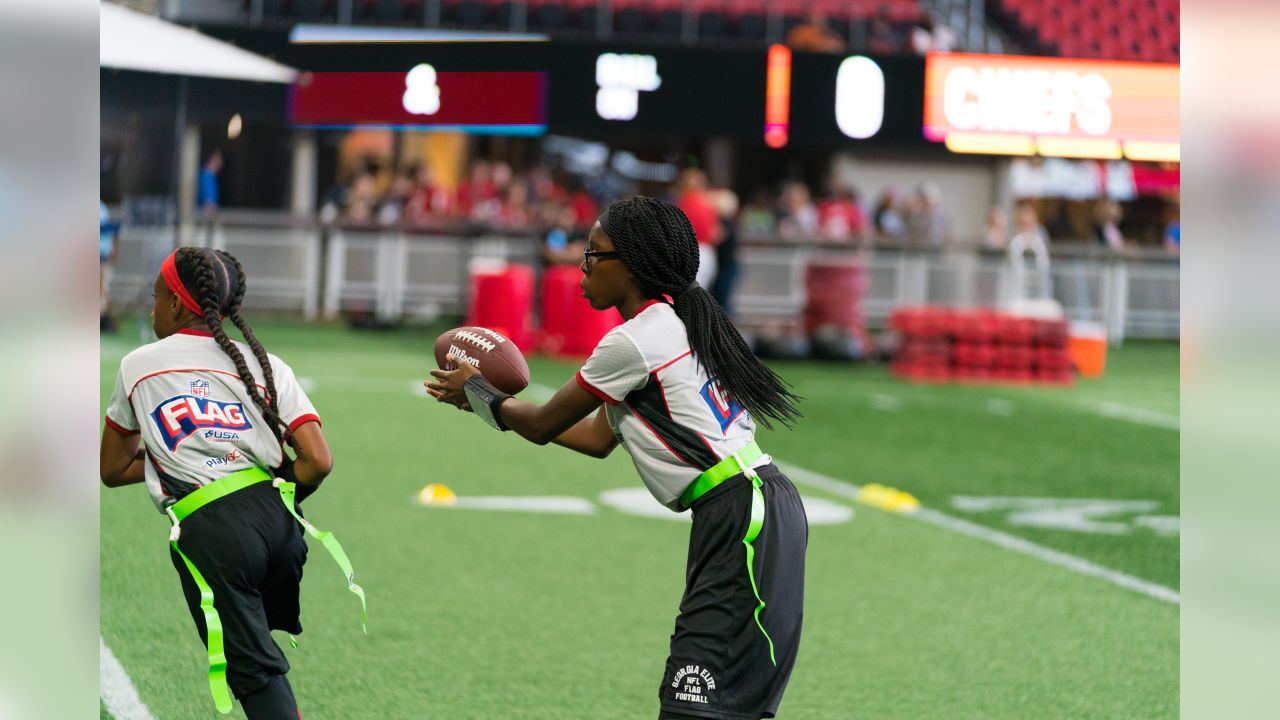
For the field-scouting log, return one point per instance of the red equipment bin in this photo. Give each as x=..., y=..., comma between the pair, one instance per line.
x=502, y=300
x=570, y=326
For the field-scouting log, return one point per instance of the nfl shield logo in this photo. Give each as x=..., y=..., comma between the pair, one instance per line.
x=200, y=388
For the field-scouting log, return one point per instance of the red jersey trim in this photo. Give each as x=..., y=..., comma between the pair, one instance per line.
x=174, y=370
x=604, y=396
x=671, y=362
x=118, y=427
x=303, y=420
x=648, y=304
x=194, y=331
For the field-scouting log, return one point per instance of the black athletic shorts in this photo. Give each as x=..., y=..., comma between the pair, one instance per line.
x=719, y=665
x=250, y=550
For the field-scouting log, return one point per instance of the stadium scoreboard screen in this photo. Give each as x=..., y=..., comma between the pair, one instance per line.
x=994, y=104
x=423, y=98
x=609, y=91
x=615, y=90
x=855, y=100
x=776, y=97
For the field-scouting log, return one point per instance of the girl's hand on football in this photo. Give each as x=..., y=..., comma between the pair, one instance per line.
x=447, y=387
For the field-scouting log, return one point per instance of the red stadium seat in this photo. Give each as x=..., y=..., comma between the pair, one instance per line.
x=749, y=7
x=1119, y=29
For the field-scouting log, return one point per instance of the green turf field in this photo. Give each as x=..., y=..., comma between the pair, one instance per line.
x=501, y=614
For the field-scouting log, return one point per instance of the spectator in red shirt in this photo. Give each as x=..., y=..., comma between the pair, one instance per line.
x=543, y=187
x=515, y=211
x=839, y=216
x=477, y=190
x=585, y=208
x=428, y=200
x=692, y=198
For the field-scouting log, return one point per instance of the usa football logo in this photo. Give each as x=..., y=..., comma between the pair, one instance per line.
x=180, y=416
x=722, y=404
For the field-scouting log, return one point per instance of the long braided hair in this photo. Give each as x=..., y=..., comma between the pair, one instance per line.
x=656, y=242
x=218, y=280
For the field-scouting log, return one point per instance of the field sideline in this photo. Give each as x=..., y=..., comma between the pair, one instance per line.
x=477, y=613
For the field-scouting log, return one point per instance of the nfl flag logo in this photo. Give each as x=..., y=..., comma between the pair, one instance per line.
x=200, y=388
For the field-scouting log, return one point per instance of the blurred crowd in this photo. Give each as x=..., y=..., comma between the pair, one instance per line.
x=492, y=194
x=559, y=208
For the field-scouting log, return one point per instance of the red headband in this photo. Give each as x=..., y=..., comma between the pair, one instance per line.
x=169, y=271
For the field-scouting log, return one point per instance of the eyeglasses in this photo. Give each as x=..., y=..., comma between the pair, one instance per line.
x=587, y=264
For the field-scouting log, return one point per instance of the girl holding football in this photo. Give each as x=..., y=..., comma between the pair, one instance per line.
x=682, y=392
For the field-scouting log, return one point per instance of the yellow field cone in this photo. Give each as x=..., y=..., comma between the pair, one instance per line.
x=887, y=498
x=437, y=494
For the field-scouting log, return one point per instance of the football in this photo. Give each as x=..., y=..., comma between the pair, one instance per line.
x=496, y=357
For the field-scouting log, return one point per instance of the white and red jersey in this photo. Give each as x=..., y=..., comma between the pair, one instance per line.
x=196, y=418
x=672, y=418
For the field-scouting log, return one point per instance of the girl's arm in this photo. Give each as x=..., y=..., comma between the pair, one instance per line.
x=557, y=420
x=589, y=436
x=120, y=460
x=314, y=459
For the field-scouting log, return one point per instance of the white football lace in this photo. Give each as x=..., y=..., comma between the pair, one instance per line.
x=474, y=339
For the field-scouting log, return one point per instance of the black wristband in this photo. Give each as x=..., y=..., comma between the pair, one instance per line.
x=302, y=491
x=285, y=472
x=485, y=399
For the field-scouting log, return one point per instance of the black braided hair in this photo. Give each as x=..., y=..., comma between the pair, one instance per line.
x=216, y=281
x=656, y=242
x=233, y=311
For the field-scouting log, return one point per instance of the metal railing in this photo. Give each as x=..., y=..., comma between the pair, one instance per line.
x=300, y=267
x=1133, y=295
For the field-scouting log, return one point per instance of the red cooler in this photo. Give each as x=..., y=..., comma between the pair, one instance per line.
x=570, y=326
x=502, y=300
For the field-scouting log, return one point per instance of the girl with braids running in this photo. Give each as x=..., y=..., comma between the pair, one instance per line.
x=682, y=393
x=213, y=425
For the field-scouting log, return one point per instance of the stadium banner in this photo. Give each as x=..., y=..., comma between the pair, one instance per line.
x=422, y=98
x=1056, y=107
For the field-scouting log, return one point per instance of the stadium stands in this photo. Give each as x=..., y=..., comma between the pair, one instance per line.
x=672, y=20
x=1109, y=29
x=1145, y=30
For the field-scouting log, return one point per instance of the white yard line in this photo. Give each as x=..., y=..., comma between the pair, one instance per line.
x=540, y=393
x=1128, y=413
x=1054, y=557
x=995, y=537
x=116, y=689
x=885, y=403
x=999, y=406
x=534, y=504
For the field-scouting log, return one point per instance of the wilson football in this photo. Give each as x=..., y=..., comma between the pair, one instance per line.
x=496, y=357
